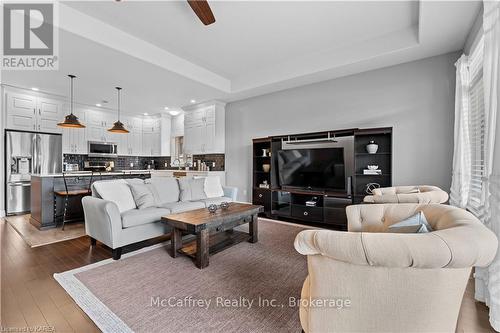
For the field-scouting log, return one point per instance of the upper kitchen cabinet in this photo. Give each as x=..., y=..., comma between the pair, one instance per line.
x=134, y=138
x=74, y=140
x=28, y=112
x=204, y=128
x=97, y=124
x=151, y=137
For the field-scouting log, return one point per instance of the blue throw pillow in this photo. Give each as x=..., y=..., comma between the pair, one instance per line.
x=414, y=224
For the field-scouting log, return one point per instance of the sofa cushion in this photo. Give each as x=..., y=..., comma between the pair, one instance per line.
x=117, y=191
x=143, y=195
x=166, y=189
x=192, y=189
x=183, y=206
x=137, y=217
x=215, y=201
x=213, y=187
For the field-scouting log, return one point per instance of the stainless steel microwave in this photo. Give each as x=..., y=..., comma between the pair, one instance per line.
x=107, y=149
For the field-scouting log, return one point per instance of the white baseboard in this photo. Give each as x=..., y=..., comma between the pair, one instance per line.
x=2, y=213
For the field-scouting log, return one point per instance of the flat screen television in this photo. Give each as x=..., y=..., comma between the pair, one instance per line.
x=312, y=169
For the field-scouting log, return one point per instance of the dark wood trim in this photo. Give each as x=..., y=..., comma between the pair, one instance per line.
x=93, y=242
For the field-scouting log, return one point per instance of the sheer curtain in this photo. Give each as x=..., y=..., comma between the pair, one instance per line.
x=461, y=175
x=488, y=279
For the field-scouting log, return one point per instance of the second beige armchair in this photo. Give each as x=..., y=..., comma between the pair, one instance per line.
x=424, y=194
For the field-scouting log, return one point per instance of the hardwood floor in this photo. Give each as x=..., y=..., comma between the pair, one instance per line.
x=30, y=297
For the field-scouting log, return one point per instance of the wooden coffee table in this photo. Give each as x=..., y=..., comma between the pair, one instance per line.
x=214, y=231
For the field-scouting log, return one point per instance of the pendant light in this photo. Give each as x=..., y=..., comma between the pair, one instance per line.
x=71, y=121
x=118, y=125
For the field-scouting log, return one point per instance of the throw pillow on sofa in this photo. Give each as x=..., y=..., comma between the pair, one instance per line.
x=117, y=191
x=164, y=189
x=143, y=195
x=192, y=189
x=213, y=187
x=414, y=224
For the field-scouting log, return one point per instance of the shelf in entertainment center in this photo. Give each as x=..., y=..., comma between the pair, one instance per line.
x=370, y=154
x=381, y=175
x=268, y=173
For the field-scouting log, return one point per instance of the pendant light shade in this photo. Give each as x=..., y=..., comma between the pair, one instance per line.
x=71, y=121
x=118, y=126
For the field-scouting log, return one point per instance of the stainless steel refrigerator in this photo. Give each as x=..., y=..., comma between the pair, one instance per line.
x=28, y=153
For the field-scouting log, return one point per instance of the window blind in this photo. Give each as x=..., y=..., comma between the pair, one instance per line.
x=477, y=128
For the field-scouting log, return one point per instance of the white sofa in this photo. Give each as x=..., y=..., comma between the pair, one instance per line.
x=106, y=223
x=423, y=194
x=394, y=282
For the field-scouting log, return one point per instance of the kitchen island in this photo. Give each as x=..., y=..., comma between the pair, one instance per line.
x=45, y=206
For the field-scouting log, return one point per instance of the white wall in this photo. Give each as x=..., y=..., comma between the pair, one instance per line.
x=416, y=99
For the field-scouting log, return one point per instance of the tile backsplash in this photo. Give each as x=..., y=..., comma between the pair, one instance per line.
x=141, y=162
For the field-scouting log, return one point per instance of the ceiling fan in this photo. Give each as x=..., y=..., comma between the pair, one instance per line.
x=202, y=9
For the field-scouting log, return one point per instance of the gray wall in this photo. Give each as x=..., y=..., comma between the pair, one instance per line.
x=416, y=99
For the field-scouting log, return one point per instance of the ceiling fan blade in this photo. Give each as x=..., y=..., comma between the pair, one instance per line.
x=202, y=10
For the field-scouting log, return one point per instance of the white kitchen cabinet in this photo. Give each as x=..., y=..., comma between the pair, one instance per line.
x=50, y=113
x=98, y=123
x=156, y=144
x=204, y=129
x=150, y=125
x=33, y=113
x=135, y=143
x=74, y=140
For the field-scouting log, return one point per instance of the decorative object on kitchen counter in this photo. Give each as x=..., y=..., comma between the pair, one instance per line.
x=71, y=121
x=224, y=205
x=372, y=170
x=266, y=167
x=372, y=147
x=118, y=126
x=212, y=208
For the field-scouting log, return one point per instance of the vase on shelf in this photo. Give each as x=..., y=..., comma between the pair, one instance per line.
x=266, y=167
x=372, y=147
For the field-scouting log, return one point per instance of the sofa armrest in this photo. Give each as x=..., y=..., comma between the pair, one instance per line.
x=102, y=220
x=230, y=192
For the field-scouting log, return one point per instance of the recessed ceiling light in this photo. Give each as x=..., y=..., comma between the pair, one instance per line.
x=193, y=101
x=146, y=114
x=34, y=89
x=98, y=105
x=174, y=112
x=166, y=108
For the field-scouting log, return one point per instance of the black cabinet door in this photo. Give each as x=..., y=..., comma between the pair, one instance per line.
x=335, y=211
x=262, y=197
x=312, y=214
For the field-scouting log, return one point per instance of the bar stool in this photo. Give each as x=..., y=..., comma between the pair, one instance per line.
x=67, y=194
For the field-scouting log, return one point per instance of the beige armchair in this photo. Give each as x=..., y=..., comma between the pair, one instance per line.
x=390, y=282
x=423, y=194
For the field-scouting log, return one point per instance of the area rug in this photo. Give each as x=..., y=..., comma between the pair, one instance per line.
x=246, y=288
x=34, y=237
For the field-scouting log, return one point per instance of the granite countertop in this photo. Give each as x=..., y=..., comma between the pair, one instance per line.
x=89, y=173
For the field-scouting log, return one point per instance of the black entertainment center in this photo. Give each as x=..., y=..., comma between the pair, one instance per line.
x=312, y=177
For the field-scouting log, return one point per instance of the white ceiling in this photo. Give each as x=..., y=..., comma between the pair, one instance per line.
x=162, y=55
